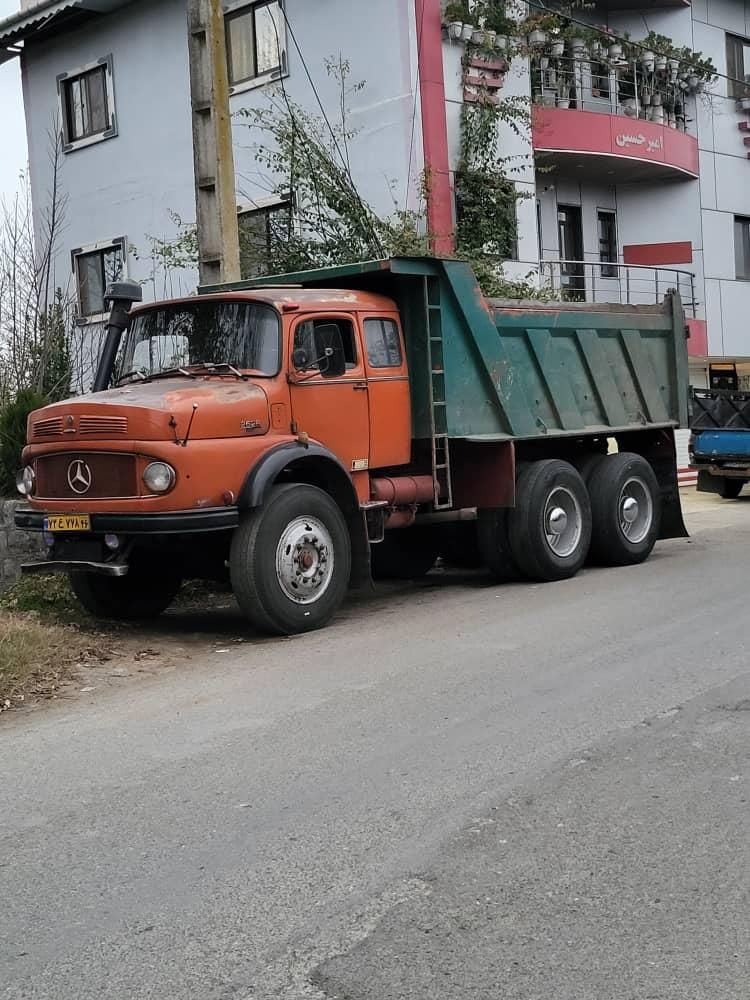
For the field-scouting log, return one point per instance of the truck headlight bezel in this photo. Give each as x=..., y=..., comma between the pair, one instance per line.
x=26, y=481
x=159, y=477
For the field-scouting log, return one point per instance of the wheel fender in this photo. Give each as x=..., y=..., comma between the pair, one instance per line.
x=316, y=465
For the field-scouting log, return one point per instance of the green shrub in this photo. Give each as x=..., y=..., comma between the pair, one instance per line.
x=13, y=418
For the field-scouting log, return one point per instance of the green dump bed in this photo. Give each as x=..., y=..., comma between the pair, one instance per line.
x=492, y=370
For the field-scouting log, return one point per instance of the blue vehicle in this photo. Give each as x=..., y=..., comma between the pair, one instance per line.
x=720, y=440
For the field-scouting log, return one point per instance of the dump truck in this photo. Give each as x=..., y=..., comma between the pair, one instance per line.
x=719, y=445
x=296, y=434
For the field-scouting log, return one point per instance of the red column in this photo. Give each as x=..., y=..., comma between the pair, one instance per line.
x=434, y=129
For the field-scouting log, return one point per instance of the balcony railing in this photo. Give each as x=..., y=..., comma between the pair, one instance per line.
x=620, y=284
x=629, y=90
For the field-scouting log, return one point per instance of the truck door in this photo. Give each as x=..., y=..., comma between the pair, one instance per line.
x=388, y=381
x=332, y=409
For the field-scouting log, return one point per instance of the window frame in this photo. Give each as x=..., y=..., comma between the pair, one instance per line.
x=101, y=247
x=737, y=89
x=234, y=10
x=743, y=220
x=357, y=370
x=64, y=81
x=264, y=206
x=608, y=268
x=366, y=344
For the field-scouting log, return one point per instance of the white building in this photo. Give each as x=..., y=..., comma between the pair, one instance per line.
x=633, y=200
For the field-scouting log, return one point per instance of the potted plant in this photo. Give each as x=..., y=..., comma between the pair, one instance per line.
x=466, y=32
x=477, y=36
x=501, y=42
x=537, y=37
x=557, y=48
x=660, y=64
x=455, y=29
x=615, y=51
x=647, y=60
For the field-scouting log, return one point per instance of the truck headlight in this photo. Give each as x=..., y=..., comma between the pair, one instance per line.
x=159, y=477
x=25, y=480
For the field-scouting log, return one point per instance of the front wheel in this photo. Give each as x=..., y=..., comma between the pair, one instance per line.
x=145, y=592
x=730, y=489
x=290, y=560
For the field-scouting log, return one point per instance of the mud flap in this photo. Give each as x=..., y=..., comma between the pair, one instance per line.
x=658, y=448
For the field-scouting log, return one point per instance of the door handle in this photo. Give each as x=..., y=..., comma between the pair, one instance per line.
x=360, y=385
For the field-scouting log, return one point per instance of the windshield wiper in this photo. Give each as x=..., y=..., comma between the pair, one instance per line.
x=189, y=371
x=136, y=373
x=218, y=368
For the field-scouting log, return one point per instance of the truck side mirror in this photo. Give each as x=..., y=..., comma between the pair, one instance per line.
x=330, y=350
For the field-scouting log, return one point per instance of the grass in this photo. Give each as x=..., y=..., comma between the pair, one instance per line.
x=44, y=633
x=35, y=657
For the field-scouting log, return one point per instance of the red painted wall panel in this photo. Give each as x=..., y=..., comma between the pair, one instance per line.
x=698, y=339
x=564, y=130
x=658, y=254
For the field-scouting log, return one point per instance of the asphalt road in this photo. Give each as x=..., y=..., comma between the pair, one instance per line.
x=459, y=791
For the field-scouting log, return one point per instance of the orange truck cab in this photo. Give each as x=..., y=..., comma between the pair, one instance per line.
x=270, y=435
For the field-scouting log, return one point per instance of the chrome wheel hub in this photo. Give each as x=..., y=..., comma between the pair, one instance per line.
x=562, y=521
x=304, y=560
x=635, y=510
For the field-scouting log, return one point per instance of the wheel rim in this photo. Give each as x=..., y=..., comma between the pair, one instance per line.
x=563, y=521
x=635, y=509
x=304, y=560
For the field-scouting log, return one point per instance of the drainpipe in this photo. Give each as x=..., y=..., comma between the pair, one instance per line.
x=434, y=129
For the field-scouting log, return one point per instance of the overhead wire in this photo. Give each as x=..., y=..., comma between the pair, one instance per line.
x=365, y=213
x=414, y=108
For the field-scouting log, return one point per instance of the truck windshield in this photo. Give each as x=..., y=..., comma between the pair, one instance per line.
x=242, y=335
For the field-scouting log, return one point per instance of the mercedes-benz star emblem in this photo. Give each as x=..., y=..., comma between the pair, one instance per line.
x=79, y=476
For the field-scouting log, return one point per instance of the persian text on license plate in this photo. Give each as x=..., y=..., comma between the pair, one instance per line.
x=67, y=522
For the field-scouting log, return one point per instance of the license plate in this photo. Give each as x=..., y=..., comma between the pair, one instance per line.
x=67, y=522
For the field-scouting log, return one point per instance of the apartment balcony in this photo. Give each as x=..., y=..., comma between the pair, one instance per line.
x=612, y=127
x=626, y=285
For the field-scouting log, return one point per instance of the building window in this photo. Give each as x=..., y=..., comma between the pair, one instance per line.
x=742, y=247
x=607, y=222
x=264, y=231
x=87, y=107
x=94, y=268
x=738, y=66
x=383, y=343
x=256, y=43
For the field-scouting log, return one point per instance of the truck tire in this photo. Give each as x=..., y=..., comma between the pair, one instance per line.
x=730, y=489
x=626, y=510
x=290, y=560
x=404, y=554
x=145, y=592
x=492, y=530
x=549, y=529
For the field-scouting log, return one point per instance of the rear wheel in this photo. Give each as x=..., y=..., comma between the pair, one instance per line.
x=731, y=488
x=404, y=554
x=145, y=592
x=290, y=560
x=626, y=510
x=549, y=529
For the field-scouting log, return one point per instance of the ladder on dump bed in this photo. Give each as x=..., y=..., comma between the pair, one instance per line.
x=441, y=468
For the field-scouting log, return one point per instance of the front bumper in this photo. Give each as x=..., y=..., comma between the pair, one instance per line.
x=70, y=565
x=182, y=522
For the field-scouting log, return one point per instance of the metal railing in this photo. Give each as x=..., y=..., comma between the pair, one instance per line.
x=588, y=85
x=621, y=284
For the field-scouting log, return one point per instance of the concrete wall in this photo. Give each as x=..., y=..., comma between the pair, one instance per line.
x=15, y=546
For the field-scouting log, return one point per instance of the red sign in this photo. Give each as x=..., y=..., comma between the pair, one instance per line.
x=589, y=132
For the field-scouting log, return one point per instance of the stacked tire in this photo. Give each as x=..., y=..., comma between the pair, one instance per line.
x=608, y=510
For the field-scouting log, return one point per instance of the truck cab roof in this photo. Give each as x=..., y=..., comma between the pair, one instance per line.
x=288, y=298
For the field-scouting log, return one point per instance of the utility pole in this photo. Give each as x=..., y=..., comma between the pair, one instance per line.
x=213, y=159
